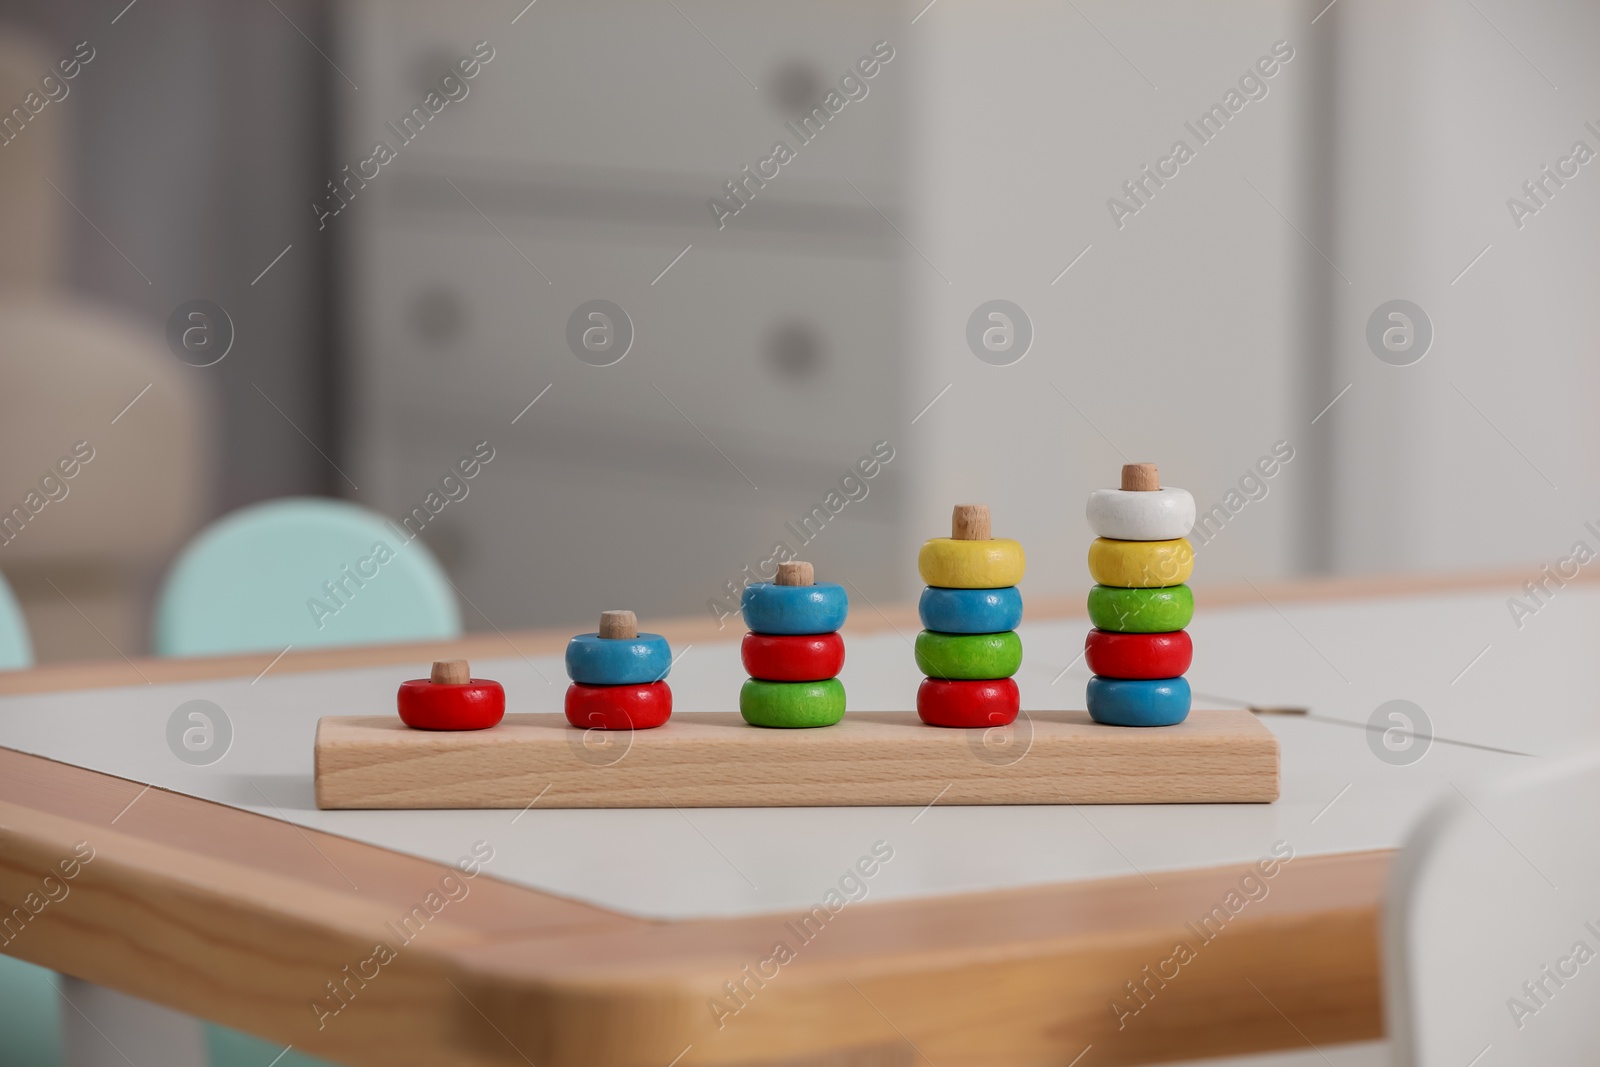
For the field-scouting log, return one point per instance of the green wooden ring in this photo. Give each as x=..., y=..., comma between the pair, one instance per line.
x=792, y=704
x=968, y=657
x=1140, y=611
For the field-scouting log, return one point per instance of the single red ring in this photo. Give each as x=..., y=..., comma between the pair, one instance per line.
x=618, y=707
x=792, y=657
x=428, y=705
x=1118, y=655
x=968, y=704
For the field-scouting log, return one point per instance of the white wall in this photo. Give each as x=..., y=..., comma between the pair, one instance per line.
x=1175, y=336
x=1484, y=453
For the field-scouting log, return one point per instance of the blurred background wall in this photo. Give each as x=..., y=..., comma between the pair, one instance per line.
x=174, y=169
x=390, y=312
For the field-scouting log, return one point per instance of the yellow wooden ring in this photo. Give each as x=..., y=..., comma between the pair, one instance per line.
x=953, y=564
x=1141, y=564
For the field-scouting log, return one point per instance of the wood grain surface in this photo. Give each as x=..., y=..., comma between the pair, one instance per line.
x=247, y=920
x=716, y=759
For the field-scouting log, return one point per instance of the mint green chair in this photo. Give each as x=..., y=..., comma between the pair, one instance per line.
x=30, y=1016
x=16, y=651
x=30, y=1010
x=302, y=572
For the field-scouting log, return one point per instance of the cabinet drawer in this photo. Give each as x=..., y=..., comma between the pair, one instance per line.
x=539, y=542
x=764, y=352
x=633, y=87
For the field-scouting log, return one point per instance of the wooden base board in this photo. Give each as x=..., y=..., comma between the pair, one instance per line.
x=716, y=759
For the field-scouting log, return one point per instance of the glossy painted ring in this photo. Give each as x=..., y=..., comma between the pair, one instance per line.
x=596, y=660
x=952, y=564
x=769, y=608
x=618, y=707
x=1141, y=564
x=428, y=705
x=1145, y=702
x=792, y=657
x=970, y=611
x=968, y=657
x=792, y=705
x=1159, y=655
x=1127, y=515
x=971, y=705
x=1141, y=611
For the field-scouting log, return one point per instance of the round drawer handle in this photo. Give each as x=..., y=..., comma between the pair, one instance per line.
x=796, y=350
x=796, y=85
x=438, y=314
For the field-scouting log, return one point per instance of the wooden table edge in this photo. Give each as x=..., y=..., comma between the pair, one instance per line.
x=154, y=917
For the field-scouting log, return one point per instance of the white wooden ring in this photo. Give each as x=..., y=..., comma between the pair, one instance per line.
x=1141, y=516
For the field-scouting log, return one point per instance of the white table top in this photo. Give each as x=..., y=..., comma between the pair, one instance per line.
x=1529, y=692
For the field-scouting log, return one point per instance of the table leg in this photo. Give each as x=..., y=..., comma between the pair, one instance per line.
x=101, y=1027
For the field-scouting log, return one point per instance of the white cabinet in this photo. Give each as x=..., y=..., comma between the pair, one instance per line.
x=632, y=88
x=768, y=355
x=771, y=353
x=767, y=351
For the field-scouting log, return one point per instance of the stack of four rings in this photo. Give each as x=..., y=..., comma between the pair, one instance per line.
x=969, y=648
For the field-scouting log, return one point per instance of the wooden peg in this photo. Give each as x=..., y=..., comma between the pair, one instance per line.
x=619, y=625
x=796, y=572
x=970, y=522
x=450, y=672
x=1140, y=478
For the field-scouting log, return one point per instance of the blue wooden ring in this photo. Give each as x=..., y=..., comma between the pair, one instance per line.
x=794, y=609
x=970, y=611
x=596, y=660
x=1138, y=702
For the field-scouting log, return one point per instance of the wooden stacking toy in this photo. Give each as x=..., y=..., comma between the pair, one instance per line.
x=793, y=652
x=968, y=650
x=451, y=699
x=618, y=676
x=1139, y=606
x=968, y=647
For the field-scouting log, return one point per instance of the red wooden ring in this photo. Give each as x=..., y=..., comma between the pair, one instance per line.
x=428, y=705
x=1117, y=655
x=793, y=657
x=973, y=705
x=618, y=707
